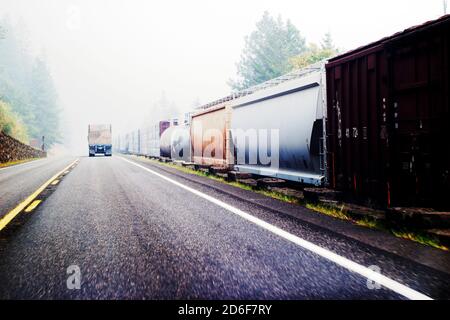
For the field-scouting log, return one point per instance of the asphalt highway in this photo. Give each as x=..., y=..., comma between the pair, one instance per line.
x=136, y=230
x=19, y=181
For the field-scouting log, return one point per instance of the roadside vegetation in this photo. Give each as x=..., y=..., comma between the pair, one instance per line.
x=28, y=102
x=405, y=233
x=12, y=163
x=11, y=124
x=338, y=213
x=274, y=48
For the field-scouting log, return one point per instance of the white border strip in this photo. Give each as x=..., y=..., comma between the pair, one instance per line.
x=343, y=262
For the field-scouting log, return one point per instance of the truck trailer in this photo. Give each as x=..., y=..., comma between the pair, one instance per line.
x=100, y=139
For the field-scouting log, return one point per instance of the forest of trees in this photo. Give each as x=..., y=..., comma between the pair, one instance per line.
x=28, y=102
x=275, y=48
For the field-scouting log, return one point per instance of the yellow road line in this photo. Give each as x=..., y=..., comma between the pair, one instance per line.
x=14, y=212
x=32, y=206
x=55, y=182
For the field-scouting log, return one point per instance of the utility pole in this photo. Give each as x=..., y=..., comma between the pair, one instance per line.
x=445, y=6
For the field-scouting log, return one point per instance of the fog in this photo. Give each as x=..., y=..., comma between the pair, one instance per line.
x=113, y=60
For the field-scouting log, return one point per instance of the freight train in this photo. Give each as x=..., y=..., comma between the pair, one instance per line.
x=372, y=122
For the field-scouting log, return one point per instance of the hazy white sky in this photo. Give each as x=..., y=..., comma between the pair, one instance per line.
x=112, y=59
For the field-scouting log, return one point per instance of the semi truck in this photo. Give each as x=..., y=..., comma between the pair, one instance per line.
x=100, y=139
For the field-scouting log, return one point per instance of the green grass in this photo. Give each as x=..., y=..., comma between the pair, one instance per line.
x=12, y=163
x=413, y=235
x=370, y=223
x=329, y=211
x=419, y=237
x=280, y=196
x=239, y=185
x=268, y=193
x=338, y=213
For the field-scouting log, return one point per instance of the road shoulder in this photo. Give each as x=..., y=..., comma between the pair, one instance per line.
x=374, y=239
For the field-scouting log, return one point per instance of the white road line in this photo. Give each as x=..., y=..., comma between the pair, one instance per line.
x=343, y=262
x=22, y=164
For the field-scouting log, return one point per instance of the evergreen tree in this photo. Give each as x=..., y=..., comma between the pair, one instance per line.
x=27, y=87
x=327, y=42
x=267, y=52
x=44, y=103
x=315, y=53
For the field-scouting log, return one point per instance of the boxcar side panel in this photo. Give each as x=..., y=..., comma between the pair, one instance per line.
x=388, y=118
x=209, y=136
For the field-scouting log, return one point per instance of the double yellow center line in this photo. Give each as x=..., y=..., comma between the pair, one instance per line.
x=31, y=199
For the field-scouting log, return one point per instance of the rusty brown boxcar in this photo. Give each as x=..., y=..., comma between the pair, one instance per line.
x=388, y=126
x=210, y=136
